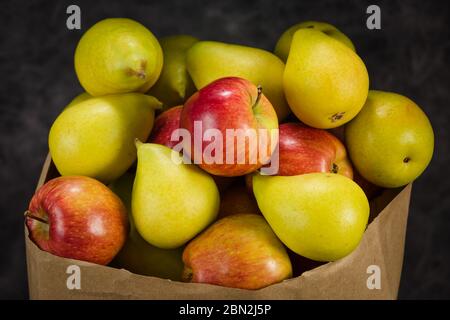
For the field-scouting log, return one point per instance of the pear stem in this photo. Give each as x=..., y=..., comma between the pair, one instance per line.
x=30, y=215
x=258, y=97
x=139, y=73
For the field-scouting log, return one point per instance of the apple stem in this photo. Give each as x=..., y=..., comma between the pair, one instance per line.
x=258, y=97
x=30, y=215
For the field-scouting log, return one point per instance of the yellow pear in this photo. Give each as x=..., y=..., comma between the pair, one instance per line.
x=172, y=201
x=174, y=85
x=137, y=255
x=95, y=137
x=391, y=140
x=284, y=43
x=325, y=82
x=118, y=55
x=209, y=60
x=321, y=216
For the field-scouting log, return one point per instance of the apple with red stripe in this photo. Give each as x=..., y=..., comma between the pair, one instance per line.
x=305, y=150
x=165, y=124
x=79, y=218
x=230, y=103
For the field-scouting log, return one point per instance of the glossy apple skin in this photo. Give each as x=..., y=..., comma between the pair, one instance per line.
x=228, y=103
x=85, y=220
x=164, y=125
x=305, y=150
x=238, y=251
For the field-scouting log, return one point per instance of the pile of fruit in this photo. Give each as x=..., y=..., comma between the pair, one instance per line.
x=172, y=197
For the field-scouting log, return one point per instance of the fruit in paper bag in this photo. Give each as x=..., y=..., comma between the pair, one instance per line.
x=391, y=140
x=172, y=201
x=79, y=218
x=209, y=60
x=241, y=116
x=325, y=82
x=118, y=55
x=239, y=251
x=321, y=216
x=304, y=149
x=137, y=255
x=95, y=137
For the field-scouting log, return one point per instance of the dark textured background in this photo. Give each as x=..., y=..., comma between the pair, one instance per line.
x=409, y=55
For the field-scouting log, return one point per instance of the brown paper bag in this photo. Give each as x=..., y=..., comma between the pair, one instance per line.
x=372, y=271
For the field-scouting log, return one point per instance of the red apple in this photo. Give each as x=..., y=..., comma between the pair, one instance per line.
x=304, y=149
x=77, y=217
x=164, y=125
x=239, y=251
x=229, y=103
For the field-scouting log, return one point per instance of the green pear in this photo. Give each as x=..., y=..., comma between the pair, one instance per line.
x=325, y=82
x=320, y=216
x=209, y=60
x=284, y=43
x=172, y=201
x=137, y=255
x=174, y=85
x=391, y=140
x=95, y=137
